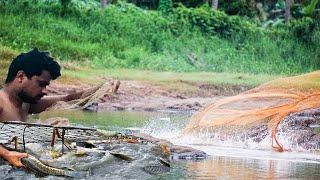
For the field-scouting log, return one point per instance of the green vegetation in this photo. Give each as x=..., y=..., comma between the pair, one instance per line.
x=184, y=40
x=181, y=81
x=186, y=83
x=165, y=6
x=6, y=54
x=172, y=77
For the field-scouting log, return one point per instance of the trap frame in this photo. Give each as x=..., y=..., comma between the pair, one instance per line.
x=23, y=132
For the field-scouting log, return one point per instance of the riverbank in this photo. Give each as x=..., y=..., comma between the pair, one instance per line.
x=151, y=91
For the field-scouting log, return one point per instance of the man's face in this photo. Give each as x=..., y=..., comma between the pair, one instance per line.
x=33, y=88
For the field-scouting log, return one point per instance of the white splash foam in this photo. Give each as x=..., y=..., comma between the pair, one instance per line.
x=234, y=146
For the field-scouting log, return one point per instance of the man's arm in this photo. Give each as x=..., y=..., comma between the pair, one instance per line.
x=48, y=101
x=12, y=157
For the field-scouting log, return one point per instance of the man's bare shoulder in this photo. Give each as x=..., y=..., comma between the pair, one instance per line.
x=2, y=94
x=1, y=100
x=2, y=97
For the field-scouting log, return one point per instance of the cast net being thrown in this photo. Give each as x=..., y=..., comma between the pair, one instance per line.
x=270, y=102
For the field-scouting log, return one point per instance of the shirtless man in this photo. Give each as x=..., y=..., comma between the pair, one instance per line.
x=23, y=92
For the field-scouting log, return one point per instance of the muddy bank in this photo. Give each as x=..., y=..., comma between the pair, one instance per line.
x=144, y=96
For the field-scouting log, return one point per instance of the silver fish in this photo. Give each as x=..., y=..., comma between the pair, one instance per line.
x=106, y=134
x=87, y=166
x=156, y=169
x=121, y=156
x=34, y=164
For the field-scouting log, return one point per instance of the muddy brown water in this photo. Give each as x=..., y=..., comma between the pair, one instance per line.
x=227, y=160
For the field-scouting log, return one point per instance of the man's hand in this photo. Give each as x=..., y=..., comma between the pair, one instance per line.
x=55, y=121
x=14, y=158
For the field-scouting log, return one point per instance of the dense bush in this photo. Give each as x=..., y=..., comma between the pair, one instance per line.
x=307, y=31
x=238, y=7
x=165, y=6
x=125, y=36
x=214, y=22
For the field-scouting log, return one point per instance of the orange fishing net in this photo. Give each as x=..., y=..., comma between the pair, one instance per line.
x=270, y=102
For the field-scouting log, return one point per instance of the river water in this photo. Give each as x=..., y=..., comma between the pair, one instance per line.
x=227, y=160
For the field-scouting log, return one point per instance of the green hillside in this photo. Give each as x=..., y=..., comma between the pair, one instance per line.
x=179, y=39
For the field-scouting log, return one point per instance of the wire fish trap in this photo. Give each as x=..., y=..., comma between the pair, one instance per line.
x=22, y=133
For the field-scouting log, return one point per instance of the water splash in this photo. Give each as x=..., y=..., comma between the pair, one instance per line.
x=165, y=125
x=224, y=141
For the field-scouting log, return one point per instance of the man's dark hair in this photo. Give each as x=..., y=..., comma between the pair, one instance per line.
x=33, y=63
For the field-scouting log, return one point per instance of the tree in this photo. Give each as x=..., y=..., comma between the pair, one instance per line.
x=287, y=13
x=103, y=3
x=214, y=4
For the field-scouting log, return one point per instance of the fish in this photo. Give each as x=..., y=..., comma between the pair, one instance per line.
x=165, y=162
x=106, y=134
x=121, y=156
x=86, y=144
x=94, y=164
x=37, y=166
x=156, y=169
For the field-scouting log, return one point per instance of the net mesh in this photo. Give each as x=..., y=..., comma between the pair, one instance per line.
x=270, y=102
x=89, y=97
x=36, y=133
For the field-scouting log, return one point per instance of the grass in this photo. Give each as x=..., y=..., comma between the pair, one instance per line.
x=6, y=54
x=84, y=73
x=303, y=83
x=186, y=83
x=126, y=37
x=163, y=77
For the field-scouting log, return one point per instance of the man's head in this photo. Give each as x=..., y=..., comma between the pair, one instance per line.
x=31, y=72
